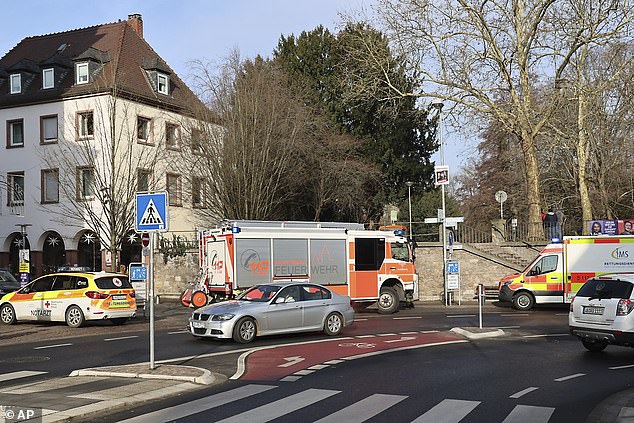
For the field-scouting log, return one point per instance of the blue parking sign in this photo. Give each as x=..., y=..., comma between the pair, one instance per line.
x=151, y=212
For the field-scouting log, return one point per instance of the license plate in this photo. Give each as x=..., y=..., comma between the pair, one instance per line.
x=198, y=324
x=593, y=310
x=118, y=297
x=119, y=304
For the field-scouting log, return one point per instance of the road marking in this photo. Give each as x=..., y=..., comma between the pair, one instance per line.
x=52, y=346
x=625, y=414
x=360, y=320
x=18, y=375
x=545, y=335
x=523, y=392
x=364, y=409
x=514, y=315
x=331, y=362
x=386, y=334
x=428, y=331
x=121, y=337
x=410, y=347
x=358, y=344
x=448, y=411
x=365, y=336
x=318, y=367
x=303, y=372
x=179, y=331
x=403, y=338
x=290, y=378
x=408, y=333
x=459, y=316
x=576, y=375
x=621, y=367
x=199, y=405
x=291, y=361
x=279, y=408
x=562, y=314
x=529, y=414
x=406, y=318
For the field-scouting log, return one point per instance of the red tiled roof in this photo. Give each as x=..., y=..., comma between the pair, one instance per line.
x=125, y=54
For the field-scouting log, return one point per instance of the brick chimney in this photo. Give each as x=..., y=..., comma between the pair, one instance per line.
x=136, y=22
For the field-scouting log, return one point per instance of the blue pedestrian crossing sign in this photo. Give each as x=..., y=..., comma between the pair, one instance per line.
x=151, y=212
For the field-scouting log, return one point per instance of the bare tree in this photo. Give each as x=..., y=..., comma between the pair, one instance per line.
x=487, y=58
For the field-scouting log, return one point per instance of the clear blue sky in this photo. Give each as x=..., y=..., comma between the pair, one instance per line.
x=184, y=30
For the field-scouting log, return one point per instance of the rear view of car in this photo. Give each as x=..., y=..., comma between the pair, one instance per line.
x=601, y=312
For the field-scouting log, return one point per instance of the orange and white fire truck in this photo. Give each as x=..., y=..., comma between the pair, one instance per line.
x=560, y=270
x=367, y=265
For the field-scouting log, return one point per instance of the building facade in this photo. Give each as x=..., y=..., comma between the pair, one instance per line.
x=89, y=118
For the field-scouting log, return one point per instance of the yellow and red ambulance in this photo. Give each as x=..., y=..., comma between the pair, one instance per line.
x=72, y=298
x=560, y=270
x=369, y=266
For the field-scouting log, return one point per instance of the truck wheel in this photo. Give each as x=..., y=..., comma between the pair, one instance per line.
x=7, y=314
x=74, y=317
x=334, y=324
x=523, y=301
x=199, y=299
x=244, y=330
x=388, y=300
x=594, y=346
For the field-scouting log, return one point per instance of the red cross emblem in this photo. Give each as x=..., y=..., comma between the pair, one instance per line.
x=47, y=304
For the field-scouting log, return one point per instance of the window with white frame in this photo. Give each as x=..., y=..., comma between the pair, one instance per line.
x=16, y=83
x=81, y=73
x=143, y=180
x=15, y=191
x=172, y=136
x=144, y=130
x=85, y=125
x=50, y=185
x=48, y=78
x=15, y=133
x=174, y=189
x=163, y=83
x=85, y=183
x=199, y=190
x=48, y=129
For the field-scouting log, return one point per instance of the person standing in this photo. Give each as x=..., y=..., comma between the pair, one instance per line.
x=560, y=223
x=550, y=222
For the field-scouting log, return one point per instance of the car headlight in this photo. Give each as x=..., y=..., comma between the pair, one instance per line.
x=222, y=317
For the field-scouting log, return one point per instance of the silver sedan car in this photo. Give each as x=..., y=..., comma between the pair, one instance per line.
x=274, y=309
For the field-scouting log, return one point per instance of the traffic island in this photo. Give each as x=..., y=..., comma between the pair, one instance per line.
x=162, y=371
x=478, y=333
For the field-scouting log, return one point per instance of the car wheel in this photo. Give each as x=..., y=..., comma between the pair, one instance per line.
x=74, y=317
x=7, y=314
x=199, y=299
x=244, y=330
x=594, y=346
x=119, y=321
x=333, y=325
x=388, y=300
x=523, y=301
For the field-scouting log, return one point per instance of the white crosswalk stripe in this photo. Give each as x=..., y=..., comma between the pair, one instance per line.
x=529, y=414
x=364, y=409
x=448, y=411
x=279, y=408
x=18, y=375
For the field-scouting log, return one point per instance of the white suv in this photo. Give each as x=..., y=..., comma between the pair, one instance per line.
x=601, y=312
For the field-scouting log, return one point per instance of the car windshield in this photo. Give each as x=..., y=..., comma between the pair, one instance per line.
x=259, y=293
x=113, y=282
x=7, y=281
x=400, y=251
x=604, y=288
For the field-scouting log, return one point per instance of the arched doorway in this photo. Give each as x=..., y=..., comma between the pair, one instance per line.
x=131, y=249
x=89, y=251
x=17, y=244
x=53, y=253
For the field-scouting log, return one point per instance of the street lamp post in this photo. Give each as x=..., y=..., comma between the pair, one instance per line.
x=409, y=197
x=438, y=105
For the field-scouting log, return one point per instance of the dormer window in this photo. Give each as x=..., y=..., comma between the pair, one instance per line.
x=81, y=72
x=163, y=83
x=16, y=83
x=48, y=78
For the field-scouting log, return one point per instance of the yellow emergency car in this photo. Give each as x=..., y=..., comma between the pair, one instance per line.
x=71, y=297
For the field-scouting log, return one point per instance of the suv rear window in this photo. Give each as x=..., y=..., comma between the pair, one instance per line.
x=606, y=288
x=113, y=282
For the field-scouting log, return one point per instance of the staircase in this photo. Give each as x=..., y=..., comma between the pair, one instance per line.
x=502, y=255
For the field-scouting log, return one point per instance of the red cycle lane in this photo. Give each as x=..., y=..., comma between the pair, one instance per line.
x=275, y=363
